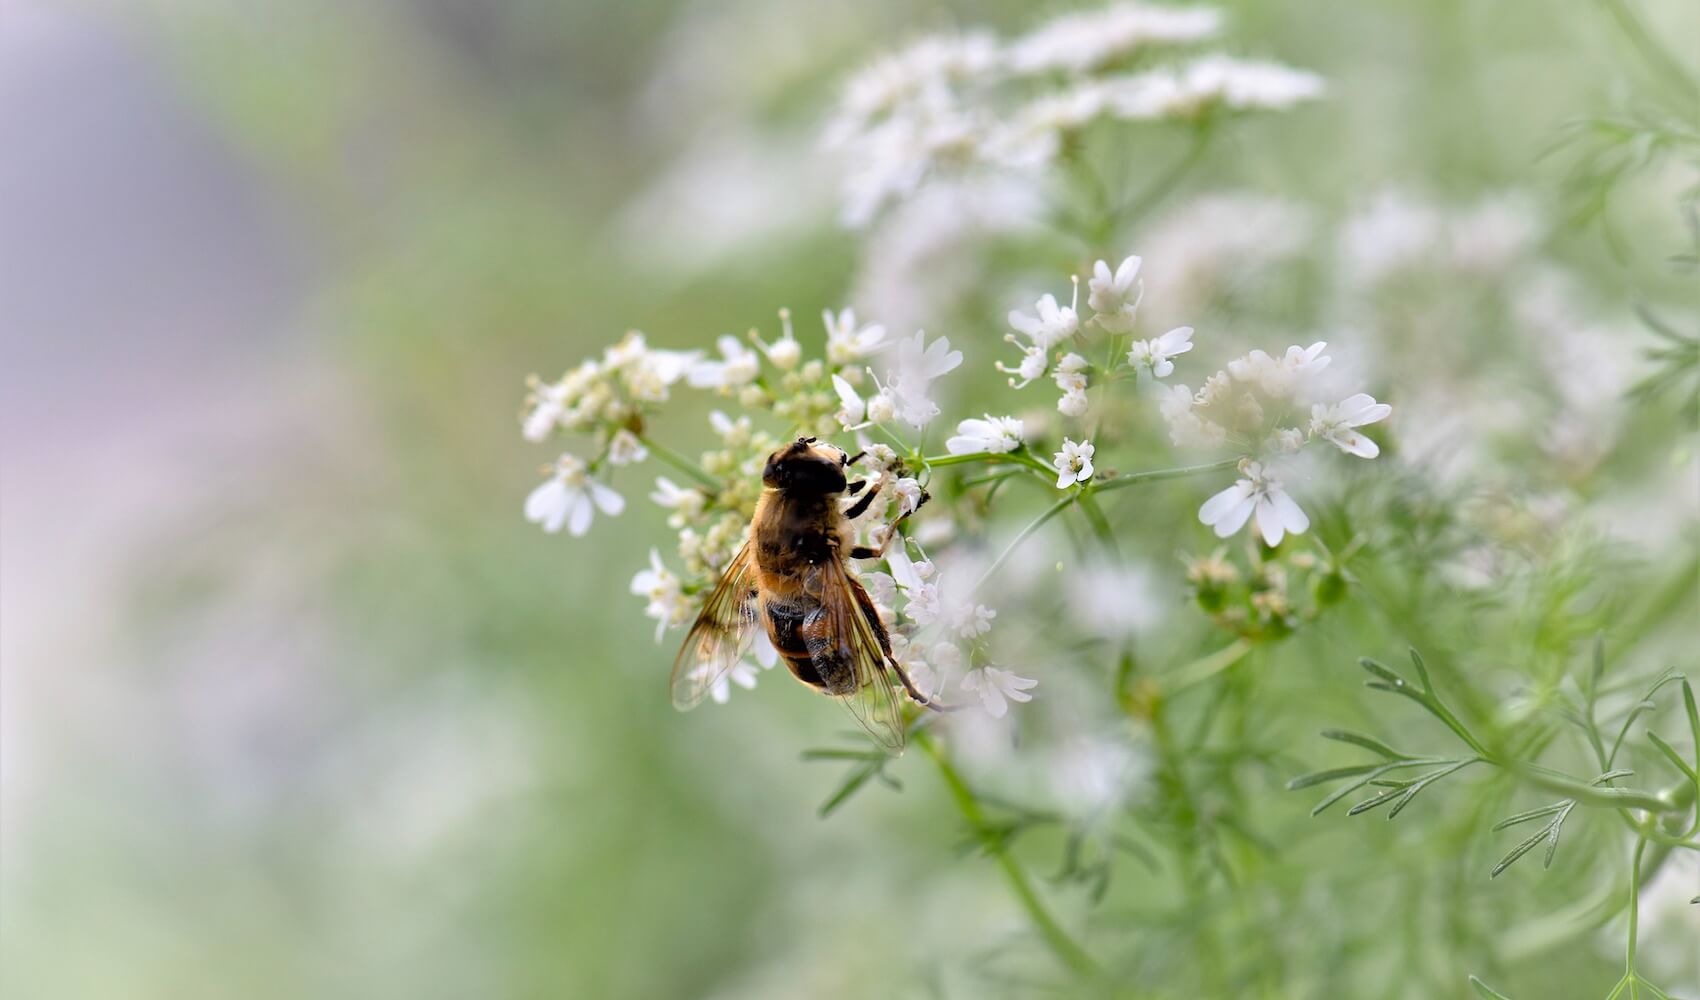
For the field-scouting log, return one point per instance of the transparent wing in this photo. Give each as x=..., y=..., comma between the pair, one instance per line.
x=721, y=635
x=850, y=635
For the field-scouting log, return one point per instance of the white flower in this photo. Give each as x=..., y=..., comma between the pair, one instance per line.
x=1033, y=363
x=624, y=448
x=852, y=410
x=918, y=364
x=998, y=688
x=1074, y=463
x=685, y=504
x=880, y=457
x=1284, y=377
x=882, y=587
x=1186, y=428
x=845, y=342
x=1246, y=85
x=1115, y=297
x=970, y=620
x=1081, y=42
x=993, y=434
x=733, y=433
x=1259, y=494
x=926, y=604
x=739, y=366
x=569, y=497
x=855, y=413
x=548, y=402
x=1335, y=423
x=1290, y=439
x=785, y=353
x=667, y=603
x=1155, y=354
x=743, y=673
x=908, y=493
x=1216, y=80
x=1073, y=403
x=668, y=367
x=1050, y=324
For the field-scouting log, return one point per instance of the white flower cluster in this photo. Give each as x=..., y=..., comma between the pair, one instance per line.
x=1252, y=405
x=1246, y=405
x=1114, y=297
x=947, y=105
x=930, y=630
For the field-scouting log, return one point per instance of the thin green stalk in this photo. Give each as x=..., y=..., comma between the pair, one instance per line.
x=1658, y=59
x=1634, y=911
x=1034, y=525
x=1157, y=475
x=1593, y=795
x=1067, y=950
x=1100, y=525
x=681, y=463
x=1166, y=183
x=990, y=458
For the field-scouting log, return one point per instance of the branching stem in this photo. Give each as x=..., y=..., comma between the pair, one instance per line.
x=1067, y=950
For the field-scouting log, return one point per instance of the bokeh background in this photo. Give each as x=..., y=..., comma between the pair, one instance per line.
x=296, y=704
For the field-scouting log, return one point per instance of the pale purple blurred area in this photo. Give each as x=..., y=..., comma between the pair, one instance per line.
x=144, y=278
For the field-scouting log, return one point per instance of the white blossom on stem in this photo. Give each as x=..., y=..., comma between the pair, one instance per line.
x=1258, y=495
x=997, y=688
x=667, y=603
x=1114, y=297
x=739, y=365
x=1337, y=423
x=918, y=365
x=1050, y=324
x=1074, y=463
x=785, y=353
x=624, y=448
x=569, y=497
x=846, y=343
x=1154, y=355
x=548, y=401
x=993, y=434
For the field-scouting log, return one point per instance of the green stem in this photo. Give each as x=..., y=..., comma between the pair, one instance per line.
x=1634, y=908
x=1034, y=525
x=681, y=463
x=1020, y=457
x=1157, y=475
x=1593, y=795
x=1067, y=950
x=1660, y=61
x=1166, y=183
x=1100, y=525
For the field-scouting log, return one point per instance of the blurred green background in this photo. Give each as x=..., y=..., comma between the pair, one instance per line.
x=296, y=704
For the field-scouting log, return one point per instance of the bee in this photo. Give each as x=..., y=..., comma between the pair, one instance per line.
x=792, y=579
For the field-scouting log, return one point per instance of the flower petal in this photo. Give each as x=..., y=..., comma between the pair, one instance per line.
x=1217, y=506
x=611, y=502
x=581, y=511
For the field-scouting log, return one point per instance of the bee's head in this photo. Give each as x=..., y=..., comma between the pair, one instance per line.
x=805, y=466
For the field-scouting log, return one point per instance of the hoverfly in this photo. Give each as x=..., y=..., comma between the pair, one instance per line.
x=792, y=580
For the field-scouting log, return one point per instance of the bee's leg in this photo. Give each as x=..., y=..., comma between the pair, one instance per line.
x=861, y=506
x=915, y=693
x=880, y=552
x=853, y=459
x=855, y=487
